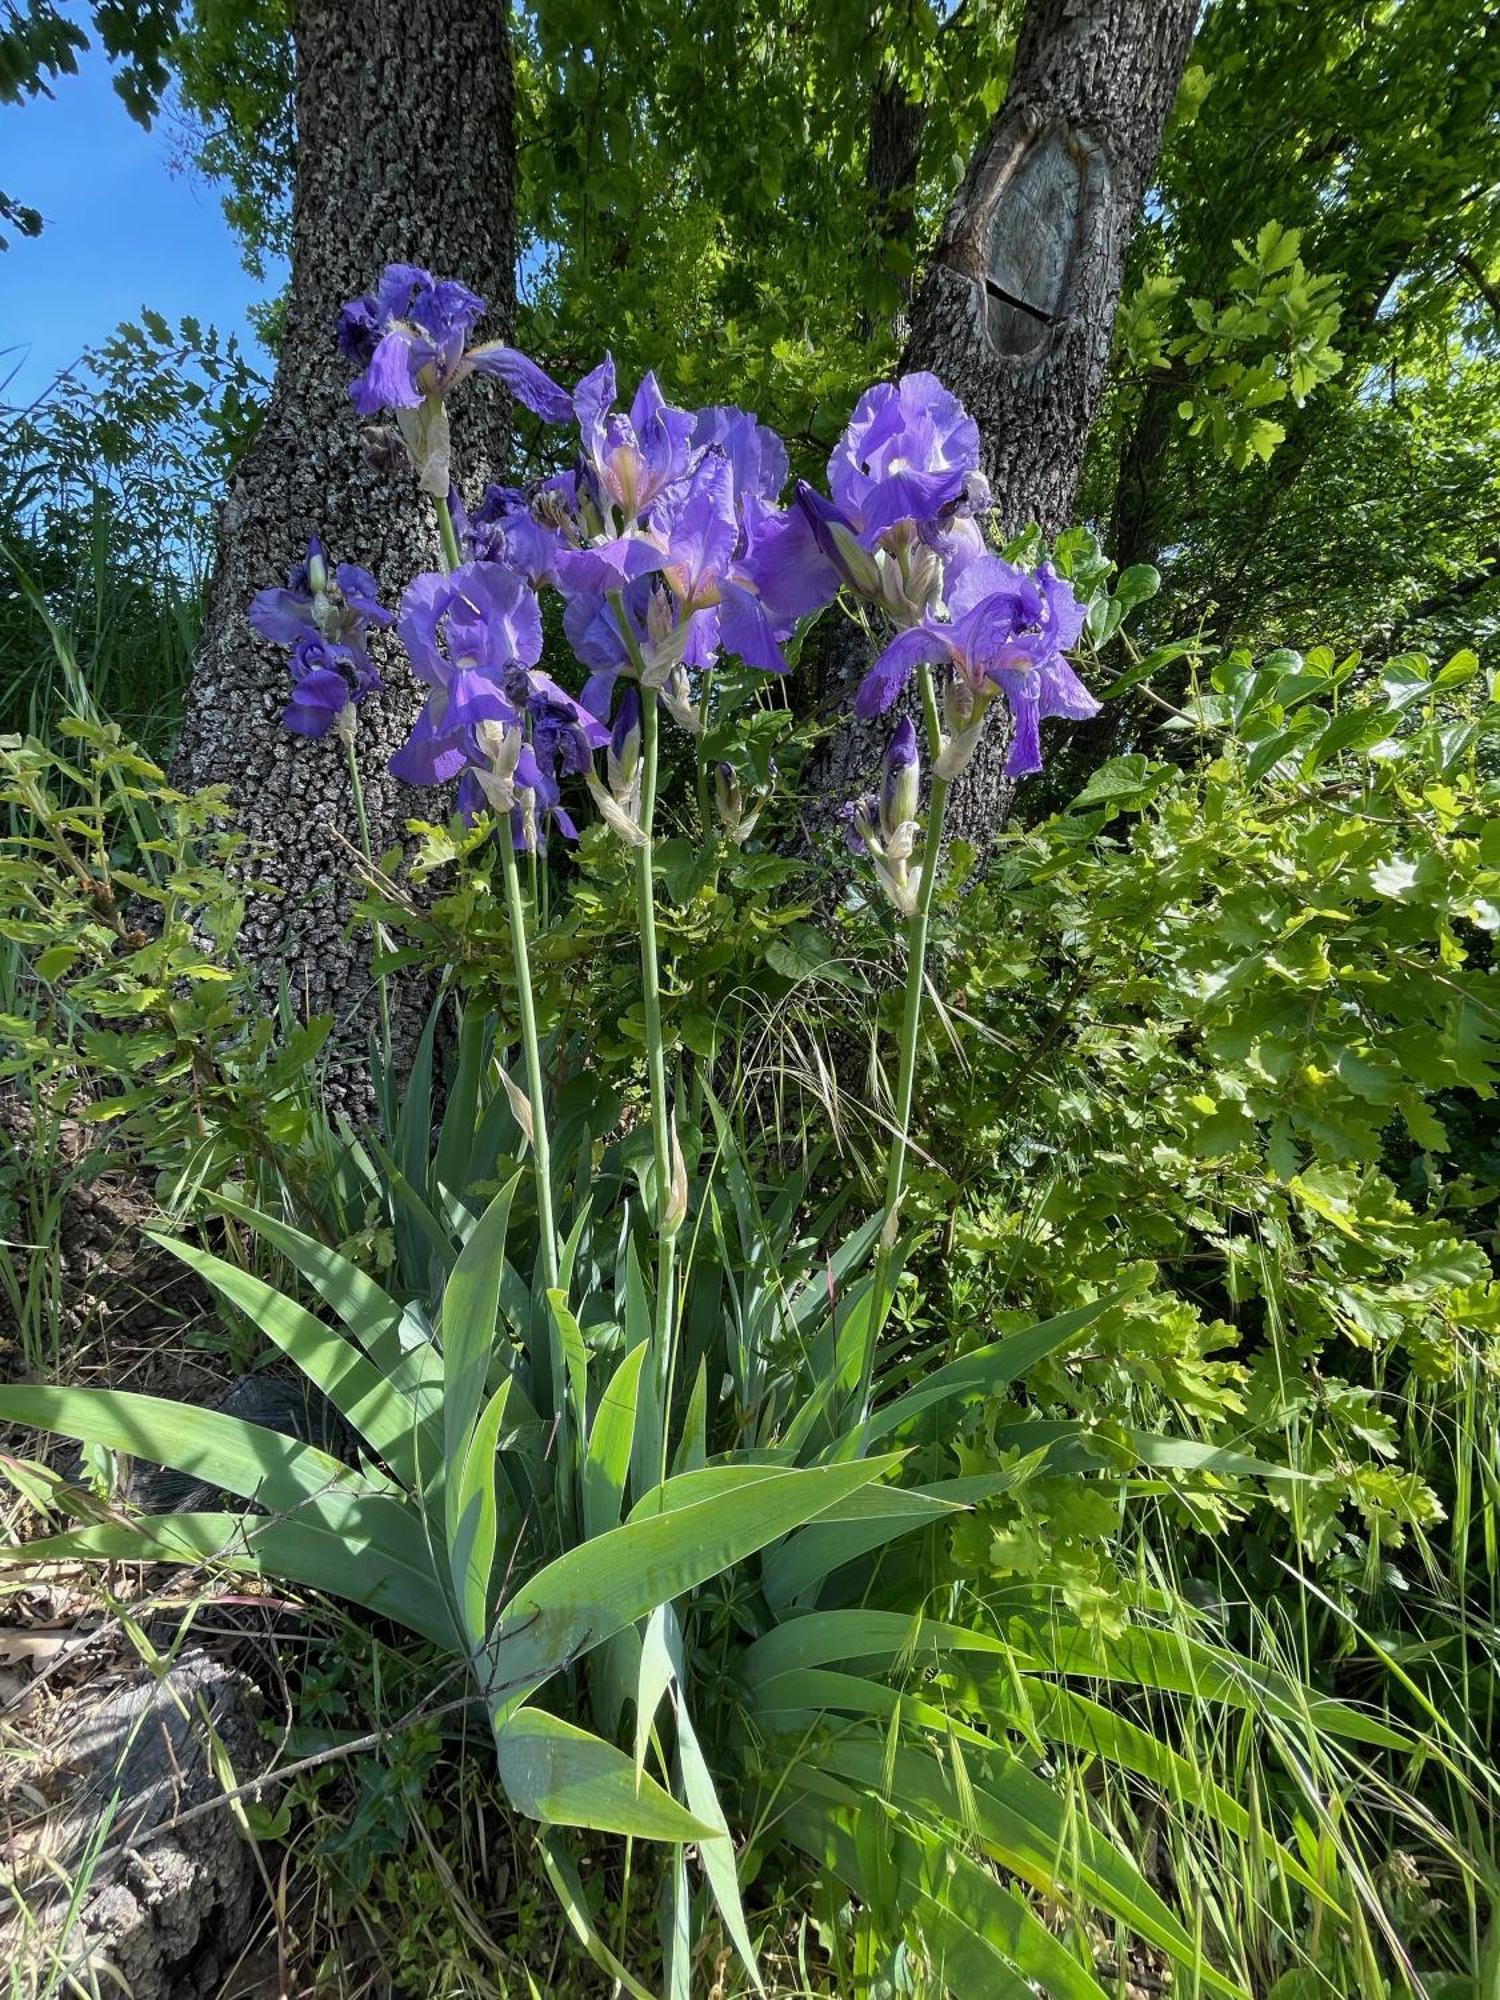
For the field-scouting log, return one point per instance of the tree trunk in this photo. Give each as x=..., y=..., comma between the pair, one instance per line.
x=895, y=154
x=404, y=154
x=1017, y=309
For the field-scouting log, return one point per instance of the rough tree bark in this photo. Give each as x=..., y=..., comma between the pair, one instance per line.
x=404, y=153
x=1017, y=308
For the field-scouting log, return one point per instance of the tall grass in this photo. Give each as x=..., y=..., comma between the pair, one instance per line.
x=133, y=634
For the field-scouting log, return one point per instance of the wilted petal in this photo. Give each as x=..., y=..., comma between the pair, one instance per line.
x=541, y=688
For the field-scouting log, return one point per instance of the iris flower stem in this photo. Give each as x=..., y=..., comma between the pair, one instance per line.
x=656, y=1064
x=705, y=785
x=452, y=556
x=645, y=890
x=362, y=819
x=917, y=927
x=541, y=1150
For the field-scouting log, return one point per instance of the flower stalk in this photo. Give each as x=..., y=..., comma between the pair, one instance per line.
x=917, y=928
x=667, y=1222
x=447, y=534
x=541, y=1149
x=362, y=820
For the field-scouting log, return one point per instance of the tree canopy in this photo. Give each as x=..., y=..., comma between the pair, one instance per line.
x=1301, y=424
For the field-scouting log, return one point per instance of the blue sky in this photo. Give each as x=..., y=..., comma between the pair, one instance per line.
x=122, y=230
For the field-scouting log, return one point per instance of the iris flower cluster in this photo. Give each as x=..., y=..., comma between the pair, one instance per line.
x=322, y=618
x=671, y=546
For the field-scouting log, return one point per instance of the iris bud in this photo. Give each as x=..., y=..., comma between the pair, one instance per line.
x=965, y=704
x=738, y=822
x=858, y=563
x=658, y=618
x=429, y=445
x=317, y=567
x=624, y=753
x=677, y=693
x=958, y=703
x=727, y=796
x=901, y=778
x=924, y=578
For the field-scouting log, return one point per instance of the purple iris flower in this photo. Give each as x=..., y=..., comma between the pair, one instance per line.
x=730, y=552
x=520, y=779
x=665, y=637
x=757, y=457
x=691, y=495
x=505, y=775
x=464, y=634
x=322, y=616
x=503, y=529
x=410, y=340
x=564, y=733
x=909, y=452
x=629, y=458
x=327, y=680
x=905, y=481
x=1007, y=631
x=494, y=720
x=319, y=603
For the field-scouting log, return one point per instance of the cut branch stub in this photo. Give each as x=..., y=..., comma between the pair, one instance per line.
x=1023, y=238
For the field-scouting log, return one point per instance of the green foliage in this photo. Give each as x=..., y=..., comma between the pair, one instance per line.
x=765, y=1549
x=1270, y=340
x=109, y=489
x=1232, y=1007
x=711, y=194
x=746, y=962
x=1364, y=132
x=1225, y=1030
x=120, y=903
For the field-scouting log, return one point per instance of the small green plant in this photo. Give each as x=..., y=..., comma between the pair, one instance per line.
x=120, y=902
